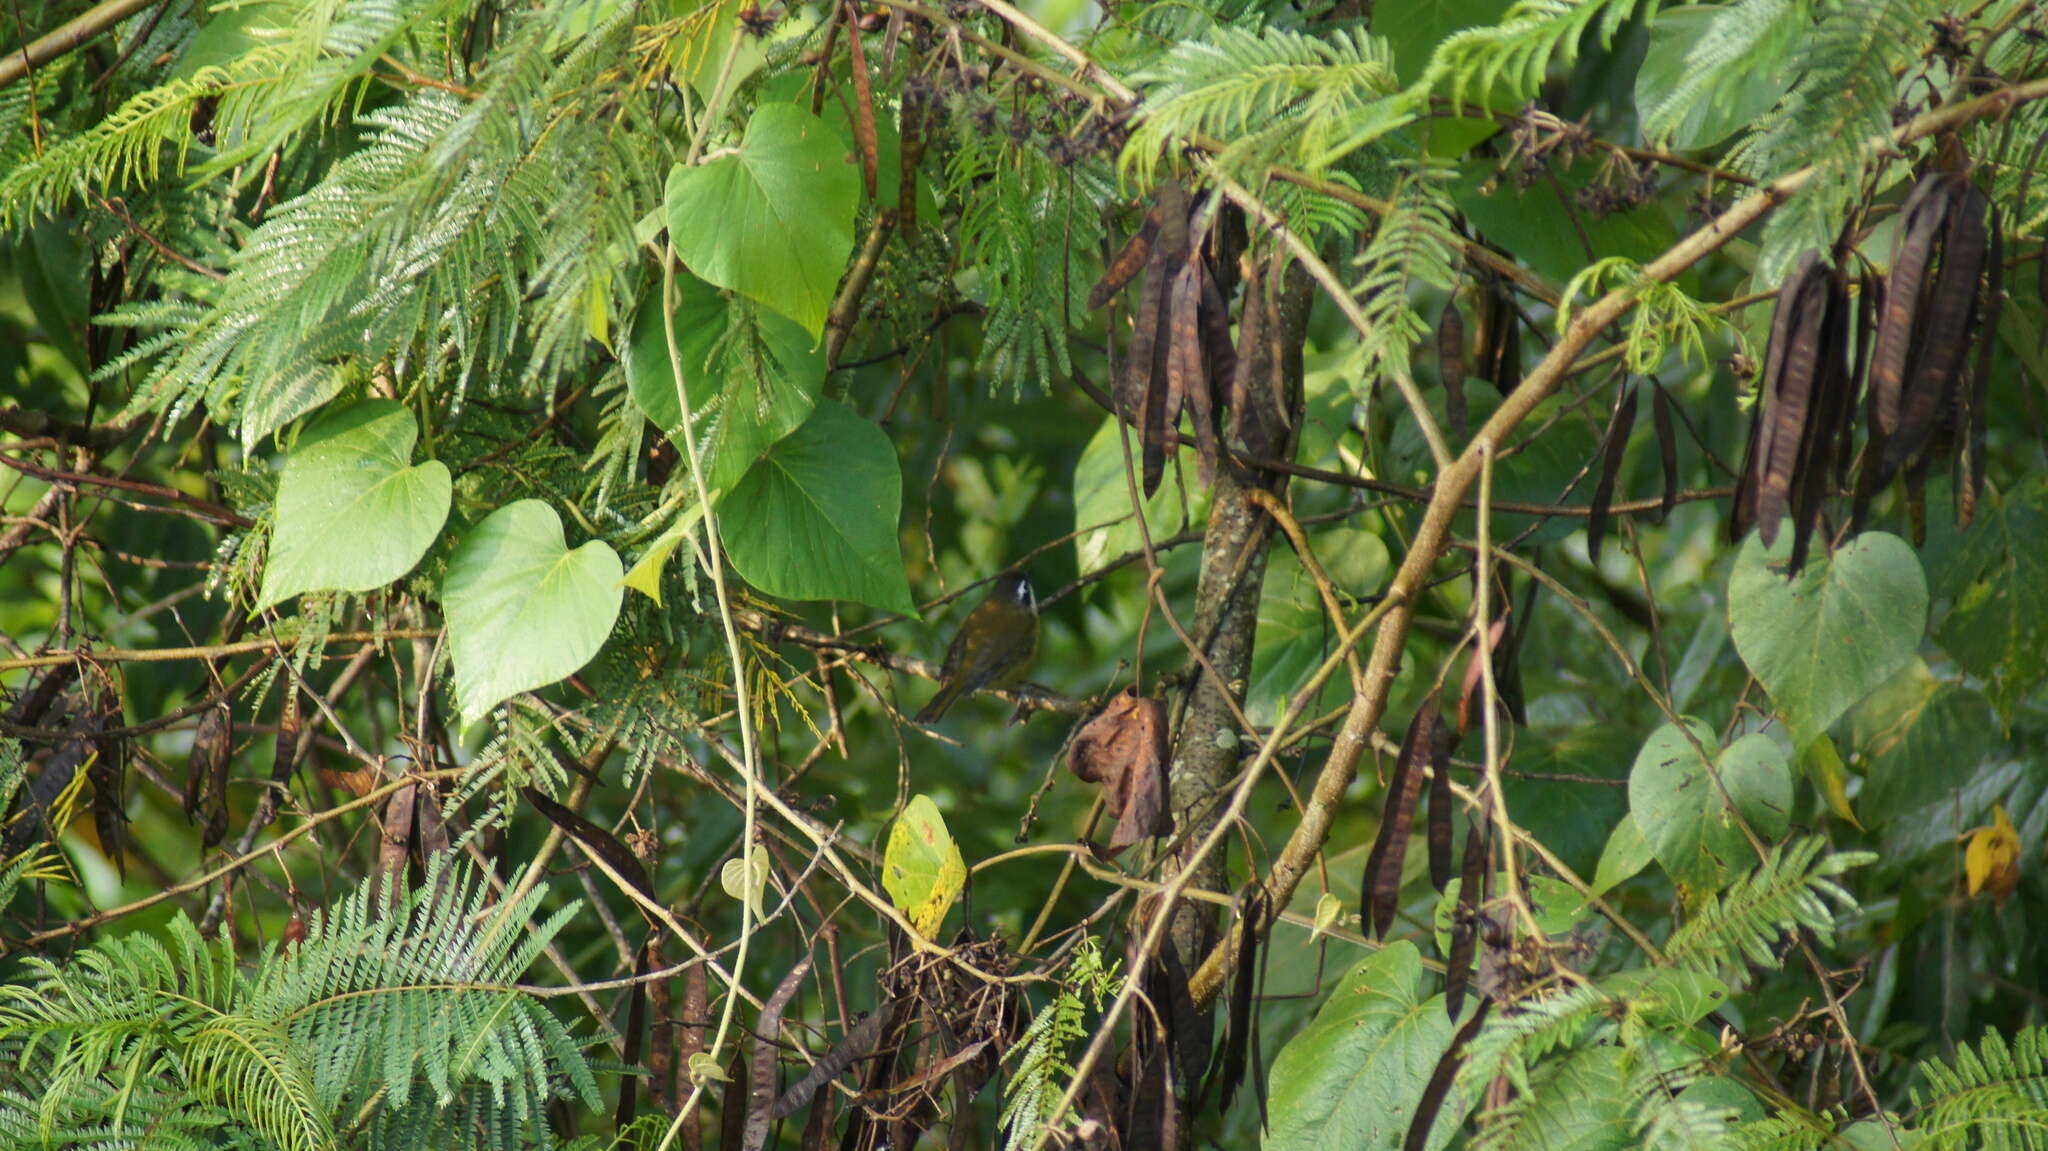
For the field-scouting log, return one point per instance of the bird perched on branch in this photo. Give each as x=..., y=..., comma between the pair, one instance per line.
x=993, y=648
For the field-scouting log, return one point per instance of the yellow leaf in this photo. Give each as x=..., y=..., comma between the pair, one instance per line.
x=922, y=869
x=1328, y=909
x=1991, y=856
x=1824, y=765
x=645, y=576
x=744, y=879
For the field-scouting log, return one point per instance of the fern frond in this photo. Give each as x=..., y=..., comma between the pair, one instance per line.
x=1994, y=1097
x=349, y=1025
x=1520, y=50
x=1268, y=95
x=1414, y=242
x=1715, y=64
x=1782, y=894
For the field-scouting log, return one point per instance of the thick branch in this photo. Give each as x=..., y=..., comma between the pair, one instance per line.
x=72, y=36
x=1297, y=858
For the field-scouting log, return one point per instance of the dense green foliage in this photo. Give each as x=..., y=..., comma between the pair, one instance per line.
x=485, y=487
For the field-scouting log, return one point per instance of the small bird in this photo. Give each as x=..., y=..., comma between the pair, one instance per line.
x=994, y=646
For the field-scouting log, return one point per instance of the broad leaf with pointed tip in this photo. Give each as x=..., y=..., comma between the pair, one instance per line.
x=1352, y=1077
x=773, y=219
x=752, y=376
x=1823, y=640
x=353, y=511
x=523, y=609
x=815, y=518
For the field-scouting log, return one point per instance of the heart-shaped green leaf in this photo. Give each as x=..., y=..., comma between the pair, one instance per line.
x=1681, y=814
x=752, y=376
x=1353, y=1076
x=815, y=518
x=524, y=610
x=773, y=219
x=353, y=511
x=1827, y=638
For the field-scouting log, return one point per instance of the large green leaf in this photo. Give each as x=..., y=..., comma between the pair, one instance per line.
x=1822, y=641
x=1580, y=1103
x=772, y=220
x=523, y=609
x=1414, y=28
x=752, y=376
x=1710, y=70
x=1295, y=632
x=1573, y=820
x=353, y=511
x=1998, y=628
x=1682, y=815
x=1352, y=1077
x=815, y=518
x=1102, y=499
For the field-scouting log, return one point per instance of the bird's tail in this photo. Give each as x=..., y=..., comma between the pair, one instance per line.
x=936, y=710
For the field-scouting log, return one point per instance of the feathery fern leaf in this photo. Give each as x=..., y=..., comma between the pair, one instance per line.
x=1782, y=894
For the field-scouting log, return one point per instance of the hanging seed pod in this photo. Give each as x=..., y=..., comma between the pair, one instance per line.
x=1618, y=430
x=1187, y=370
x=1465, y=920
x=1825, y=440
x=1869, y=305
x=1667, y=448
x=1941, y=339
x=1907, y=290
x=1450, y=353
x=1791, y=374
x=1133, y=258
x=1969, y=480
x=1382, y=887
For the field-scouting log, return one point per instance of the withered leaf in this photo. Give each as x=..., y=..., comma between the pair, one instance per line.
x=1124, y=749
x=1618, y=430
x=1383, y=866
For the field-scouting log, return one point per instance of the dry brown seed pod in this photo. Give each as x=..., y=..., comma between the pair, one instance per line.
x=1943, y=334
x=1611, y=453
x=1906, y=290
x=1788, y=385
